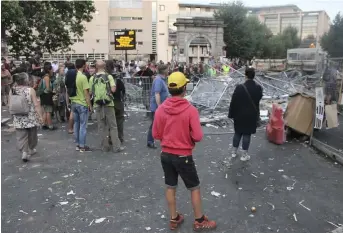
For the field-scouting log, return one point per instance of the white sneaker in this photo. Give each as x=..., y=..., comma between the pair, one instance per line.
x=234, y=152
x=25, y=156
x=245, y=157
x=33, y=151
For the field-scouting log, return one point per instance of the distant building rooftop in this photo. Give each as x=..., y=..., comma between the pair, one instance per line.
x=218, y=5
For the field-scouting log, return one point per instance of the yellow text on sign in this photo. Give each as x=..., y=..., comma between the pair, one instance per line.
x=124, y=42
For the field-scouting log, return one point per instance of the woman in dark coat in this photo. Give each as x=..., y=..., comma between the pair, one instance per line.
x=245, y=112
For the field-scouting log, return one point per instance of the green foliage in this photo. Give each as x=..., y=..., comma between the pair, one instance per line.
x=332, y=42
x=245, y=37
x=43, y=25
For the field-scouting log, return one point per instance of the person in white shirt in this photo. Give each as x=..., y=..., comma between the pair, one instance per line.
x=54, y=66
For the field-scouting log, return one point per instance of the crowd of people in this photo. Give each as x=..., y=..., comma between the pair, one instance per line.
x=73, y=91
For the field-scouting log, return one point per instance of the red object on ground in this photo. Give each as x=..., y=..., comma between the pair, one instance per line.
x=276, y=126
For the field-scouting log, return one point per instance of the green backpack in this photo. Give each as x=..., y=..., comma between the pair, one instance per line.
x=41, y=88
x=101, y=90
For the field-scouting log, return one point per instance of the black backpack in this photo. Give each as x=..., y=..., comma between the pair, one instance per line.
x=70, y=82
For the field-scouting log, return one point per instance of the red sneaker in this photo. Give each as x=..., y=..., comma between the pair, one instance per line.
x=205, y=225
x=174, y=224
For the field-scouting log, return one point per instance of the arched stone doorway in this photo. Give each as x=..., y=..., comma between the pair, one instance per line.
x=199, y=50
x=207, y=33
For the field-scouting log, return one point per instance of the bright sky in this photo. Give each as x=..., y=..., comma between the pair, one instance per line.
x=332, y=7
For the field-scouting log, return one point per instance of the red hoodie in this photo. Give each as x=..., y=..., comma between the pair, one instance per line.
x=177, y=126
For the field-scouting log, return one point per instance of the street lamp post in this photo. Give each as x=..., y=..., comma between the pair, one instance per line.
x=167, y=56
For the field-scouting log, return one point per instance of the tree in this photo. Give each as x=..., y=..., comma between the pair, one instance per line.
x=234, y=15
x=246, y=37
x=43, y=25
x=332, y=41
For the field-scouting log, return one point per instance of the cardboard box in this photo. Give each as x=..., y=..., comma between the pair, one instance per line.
x=300, y=112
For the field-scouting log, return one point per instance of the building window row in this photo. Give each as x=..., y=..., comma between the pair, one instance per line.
x=78, y=40
x=124, y=18
x=126, y=4
x=138, y=43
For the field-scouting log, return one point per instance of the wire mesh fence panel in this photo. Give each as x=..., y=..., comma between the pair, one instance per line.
x=332, y=80
x=137, y=97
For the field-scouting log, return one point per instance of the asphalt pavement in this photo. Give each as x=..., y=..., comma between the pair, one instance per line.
x=293, y=188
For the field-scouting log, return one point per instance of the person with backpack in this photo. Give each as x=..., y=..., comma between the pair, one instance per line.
x=245, y=111
x=60, y=92
x=78, y=93
x=177, y=126
x=45, y=93
x=27, y=115
x=118, y=99
x=102, y=88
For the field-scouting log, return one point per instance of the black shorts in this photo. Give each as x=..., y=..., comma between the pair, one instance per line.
x=175, y=165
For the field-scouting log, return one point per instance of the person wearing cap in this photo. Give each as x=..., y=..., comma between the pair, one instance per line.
x=177, y=126
x=159, y=93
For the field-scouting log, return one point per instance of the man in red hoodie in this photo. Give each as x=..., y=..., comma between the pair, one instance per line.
x=177, y=126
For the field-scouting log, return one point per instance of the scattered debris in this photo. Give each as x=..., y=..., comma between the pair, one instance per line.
x=239, y=188
x=295, y=217
x=251, y=215
x=253, y=209
x=216, y=194
x=34, y=211
x=210, y=125
x=58, y=182
x=289, y=188
x=148, y=228
x=63, y=202
x=333, y=224
x=163, y=217
x=99, y=220
x=70, y=193
x=225, y=176
x=66, y=176
x=273, y=207
x=300, y=203
x=254, y=175
x=22, y=211
x=90, y=224
x=281, y=170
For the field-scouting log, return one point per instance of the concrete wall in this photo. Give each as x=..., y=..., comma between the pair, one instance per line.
x=164, y=51
x=97, y=29
x=145, y=25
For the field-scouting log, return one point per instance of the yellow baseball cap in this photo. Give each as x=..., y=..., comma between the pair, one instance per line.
x=177, y=80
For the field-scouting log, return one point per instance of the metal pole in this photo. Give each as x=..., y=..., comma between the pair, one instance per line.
x=126, y=55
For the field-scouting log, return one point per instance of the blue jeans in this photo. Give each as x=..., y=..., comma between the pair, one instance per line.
x=150, y=139
x=80, y=113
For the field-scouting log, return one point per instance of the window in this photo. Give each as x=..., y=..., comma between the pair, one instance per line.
x=81, y=40
x=97, y=41
x=161, y=21
x=207, y=9
x=161, y=34
x=125, y=18
x=197, y=9
x=126, y=4
x=139, y=18
x=188, y=9
x=140, y=42
x=75, y=40
x=162, y=8
x=139, y=30
x=112, y=43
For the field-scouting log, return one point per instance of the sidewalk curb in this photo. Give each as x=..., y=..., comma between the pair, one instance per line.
x=328, y=150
